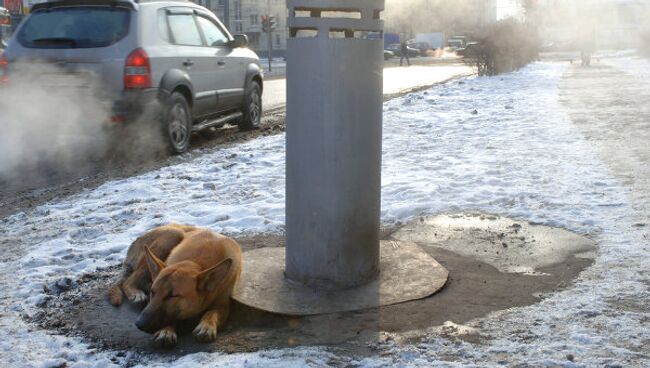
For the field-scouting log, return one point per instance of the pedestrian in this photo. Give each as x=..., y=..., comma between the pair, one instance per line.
x=404, y=51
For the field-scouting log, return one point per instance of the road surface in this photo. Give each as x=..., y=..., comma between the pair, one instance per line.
x=396, y=80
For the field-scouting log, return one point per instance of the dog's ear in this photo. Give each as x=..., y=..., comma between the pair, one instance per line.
x=212, y=278
x=154, y=264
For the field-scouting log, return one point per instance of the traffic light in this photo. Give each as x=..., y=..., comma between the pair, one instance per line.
x=269, y=23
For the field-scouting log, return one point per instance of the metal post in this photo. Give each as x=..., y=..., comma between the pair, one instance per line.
x=334, y=133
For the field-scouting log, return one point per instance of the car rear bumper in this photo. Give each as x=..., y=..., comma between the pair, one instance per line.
x=133, y=105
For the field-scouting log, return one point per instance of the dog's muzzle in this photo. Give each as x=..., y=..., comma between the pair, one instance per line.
x=144, y=323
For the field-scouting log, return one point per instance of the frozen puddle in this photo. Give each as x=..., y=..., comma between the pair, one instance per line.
x=509, y=246
x=499, y=145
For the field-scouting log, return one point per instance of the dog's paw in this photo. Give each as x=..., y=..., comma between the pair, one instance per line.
x=165, y=338
x=137, y=296
x=205, y=332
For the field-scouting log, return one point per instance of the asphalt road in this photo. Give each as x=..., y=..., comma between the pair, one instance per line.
x=396, y=80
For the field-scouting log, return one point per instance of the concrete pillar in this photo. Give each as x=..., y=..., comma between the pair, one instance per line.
x=334, y=134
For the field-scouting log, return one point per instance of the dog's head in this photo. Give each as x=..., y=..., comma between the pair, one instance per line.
x=178, y=291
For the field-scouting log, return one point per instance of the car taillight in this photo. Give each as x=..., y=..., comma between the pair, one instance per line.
x=137, y=71
x=4, y=70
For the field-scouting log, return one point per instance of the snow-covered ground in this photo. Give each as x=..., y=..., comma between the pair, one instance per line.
x=633, y=65
x=502, y=145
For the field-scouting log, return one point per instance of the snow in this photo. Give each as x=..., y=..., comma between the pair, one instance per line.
x=633, y=65
x=503, y=145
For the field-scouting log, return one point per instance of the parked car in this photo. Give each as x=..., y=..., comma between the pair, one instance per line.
x=396, y=48
x=456, y=42
x=173, y=54
x=422, y=47
x=388, y=55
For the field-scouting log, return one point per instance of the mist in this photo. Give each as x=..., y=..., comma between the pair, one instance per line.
x=49, y=128
x=564, y=24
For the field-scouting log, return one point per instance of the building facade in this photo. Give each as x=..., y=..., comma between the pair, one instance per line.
x=245, y=16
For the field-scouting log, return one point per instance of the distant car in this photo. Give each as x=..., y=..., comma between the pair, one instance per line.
x=388, y=55
x=456, y=43
x=396, y=48
x=173, y=57
x=423, y=47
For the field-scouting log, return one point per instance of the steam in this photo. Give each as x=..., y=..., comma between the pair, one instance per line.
x=609, y=24
x=56, y=128
x=51, y=122
x=425, y=16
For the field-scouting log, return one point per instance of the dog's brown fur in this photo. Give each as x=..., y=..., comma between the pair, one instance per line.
x=188, y=272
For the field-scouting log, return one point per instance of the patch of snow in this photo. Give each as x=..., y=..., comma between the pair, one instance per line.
x=502, y=145
x=633, y=65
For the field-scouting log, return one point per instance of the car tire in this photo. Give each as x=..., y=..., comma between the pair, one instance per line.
x=252, y=108
x=177, y=124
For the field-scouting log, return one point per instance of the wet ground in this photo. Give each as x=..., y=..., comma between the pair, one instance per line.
x=474, y=289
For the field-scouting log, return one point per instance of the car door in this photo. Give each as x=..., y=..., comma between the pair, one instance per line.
x=227, y=67
x=194, y=58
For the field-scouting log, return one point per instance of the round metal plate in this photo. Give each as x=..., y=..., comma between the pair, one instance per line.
x=407, y=273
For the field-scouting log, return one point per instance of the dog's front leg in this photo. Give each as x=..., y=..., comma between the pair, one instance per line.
x=206, y=330
x=166, y=337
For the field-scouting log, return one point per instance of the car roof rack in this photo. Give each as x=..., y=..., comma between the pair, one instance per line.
x=131, y=4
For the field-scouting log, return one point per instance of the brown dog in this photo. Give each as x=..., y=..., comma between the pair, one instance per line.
x=196, y=278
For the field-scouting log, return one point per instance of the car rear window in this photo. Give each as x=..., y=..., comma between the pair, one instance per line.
x=75, y=27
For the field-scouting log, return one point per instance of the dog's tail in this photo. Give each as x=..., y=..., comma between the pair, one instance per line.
x=115, y=294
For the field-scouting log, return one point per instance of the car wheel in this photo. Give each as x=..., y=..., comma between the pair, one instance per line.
x=177, y=124
x=252, y=107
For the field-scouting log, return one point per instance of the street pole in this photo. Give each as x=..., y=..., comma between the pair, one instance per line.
x=333, y=178
x=334, y=138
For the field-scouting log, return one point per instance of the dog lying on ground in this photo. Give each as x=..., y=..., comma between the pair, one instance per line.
x=187, y=272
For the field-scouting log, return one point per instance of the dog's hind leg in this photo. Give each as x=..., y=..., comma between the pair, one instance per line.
x=115, y=294
x=137, y=285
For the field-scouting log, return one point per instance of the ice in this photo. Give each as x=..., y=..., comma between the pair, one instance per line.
x=518, y=156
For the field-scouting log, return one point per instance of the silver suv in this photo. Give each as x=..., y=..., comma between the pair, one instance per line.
x=174, y=56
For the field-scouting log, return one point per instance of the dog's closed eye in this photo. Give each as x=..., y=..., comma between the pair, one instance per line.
x=172, y=295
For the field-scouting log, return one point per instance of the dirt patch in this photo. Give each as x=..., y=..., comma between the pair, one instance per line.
x=474, y=289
